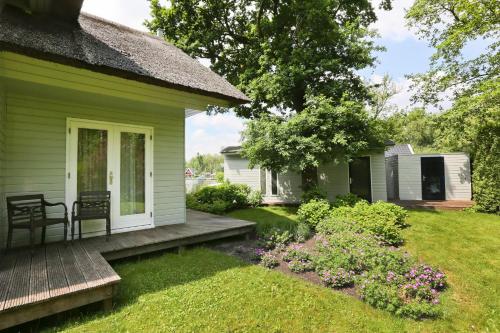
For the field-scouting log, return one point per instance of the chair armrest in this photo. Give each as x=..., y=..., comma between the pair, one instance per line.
x=57, y=204
x=21, y=209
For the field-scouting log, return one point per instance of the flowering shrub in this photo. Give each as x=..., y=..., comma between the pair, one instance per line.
x=337, y=279
x=258, y=253
x=313, y=212
x=269, y=260
x=255, y=198
x=413, y=294
x=299, y=266
x=276, y=238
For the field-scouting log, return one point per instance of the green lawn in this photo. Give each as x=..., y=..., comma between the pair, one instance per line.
x=203, y=290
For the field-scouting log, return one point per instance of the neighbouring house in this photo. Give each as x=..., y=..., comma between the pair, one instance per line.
x=363, y=176
x=88, y=104
x=436, y=176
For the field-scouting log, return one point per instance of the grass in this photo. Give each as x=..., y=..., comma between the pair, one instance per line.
x=206, y=291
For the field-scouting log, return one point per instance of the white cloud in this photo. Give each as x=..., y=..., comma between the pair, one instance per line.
x=209, y=134
x=131, y=13
x=391, y=24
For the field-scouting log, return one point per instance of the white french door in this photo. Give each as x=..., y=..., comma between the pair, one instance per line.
x=114, y=157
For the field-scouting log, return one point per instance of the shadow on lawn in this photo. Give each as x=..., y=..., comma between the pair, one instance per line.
x=143, y=275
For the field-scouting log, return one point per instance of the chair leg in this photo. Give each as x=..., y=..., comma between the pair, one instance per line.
x=43, y=234
x=66, y=233
x=9, y=238
x=108, y=228
x=79, y=229
x=32, y=240
x=72, y=229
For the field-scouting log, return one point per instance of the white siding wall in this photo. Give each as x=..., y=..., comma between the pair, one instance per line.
x=289, y=190
x=334, y=179
x=457, y=176
x=379, y=186
x=35, y=151
x=236, y=171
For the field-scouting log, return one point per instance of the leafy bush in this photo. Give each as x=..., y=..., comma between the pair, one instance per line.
x=219, y=199
x=337, y=279
x=348, y=200
x=255, y=198
x=313, y=212
x=269, y=260
x=381, y=219
x=296, y=252
x=313, y=193
x=276, y=238
x=302, y=233
x=298, y=266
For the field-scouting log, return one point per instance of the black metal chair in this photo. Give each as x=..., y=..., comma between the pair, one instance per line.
x=29, y=212
x=93, y=205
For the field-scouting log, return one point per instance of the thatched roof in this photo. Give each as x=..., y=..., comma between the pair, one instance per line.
x=103, y=46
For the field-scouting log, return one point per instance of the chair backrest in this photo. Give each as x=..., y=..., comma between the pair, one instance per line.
x=94, y=204
x=19, y=208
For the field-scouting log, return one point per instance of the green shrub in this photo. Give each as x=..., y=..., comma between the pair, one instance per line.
x=381, y=219
x=298, y=266
x=391, y=212
x=220, y=198
x=302, y=233
x=348, y=200
x=337, y=279
x=255, y=198
x=313, y=193
x=313, y=212
x=269, y=260
x=296, y=252
x=276, y=238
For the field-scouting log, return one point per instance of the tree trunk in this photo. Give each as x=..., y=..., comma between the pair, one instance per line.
x=309, y=178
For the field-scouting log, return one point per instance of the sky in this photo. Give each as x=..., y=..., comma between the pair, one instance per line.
x=405, y=54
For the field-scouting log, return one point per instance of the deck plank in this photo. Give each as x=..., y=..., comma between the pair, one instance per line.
x=7, y=265
x=87, y=266
x=74, y=276
x=19, y=286
x=107, y=273
x=39, y=283
x=58, y=285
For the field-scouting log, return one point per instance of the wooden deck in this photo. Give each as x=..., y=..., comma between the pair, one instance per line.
x=59, y=277
x=435, y=204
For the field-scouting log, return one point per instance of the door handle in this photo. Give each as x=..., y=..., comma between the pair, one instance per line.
x=111, y=178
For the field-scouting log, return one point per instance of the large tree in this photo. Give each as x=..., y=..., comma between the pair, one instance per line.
x=285, y=55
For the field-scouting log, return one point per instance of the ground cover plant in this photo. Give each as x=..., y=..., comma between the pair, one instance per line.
x=356, y=246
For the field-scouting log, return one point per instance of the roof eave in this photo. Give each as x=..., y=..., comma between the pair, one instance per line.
x=231, y=100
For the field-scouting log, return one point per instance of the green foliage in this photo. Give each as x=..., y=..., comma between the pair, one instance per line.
x=269, y=260
x=319, y=134
x=381, y=219
x=450, y=26
x=207, y=163
x=219, y=199
x=302, y=233
x=473, y=126
x=276, y=52
x=276, y=238
x=313, y=212
x=255, y=198
x=219, y=176
x=348, y=200
x=313, y=193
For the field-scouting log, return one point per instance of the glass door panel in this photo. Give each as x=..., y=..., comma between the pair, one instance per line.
x=132, y=173
x=92, y=164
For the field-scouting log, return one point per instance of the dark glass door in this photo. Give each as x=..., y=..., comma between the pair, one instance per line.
x=433, y=187
x=359, y=178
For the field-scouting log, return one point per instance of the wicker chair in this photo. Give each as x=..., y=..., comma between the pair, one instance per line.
x=29, y=212
x=93, y=205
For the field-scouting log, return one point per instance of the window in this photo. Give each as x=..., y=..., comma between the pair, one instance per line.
x=274, y=183
x=263, y=181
